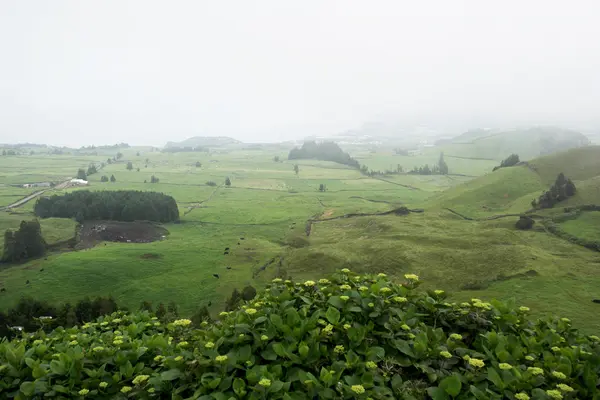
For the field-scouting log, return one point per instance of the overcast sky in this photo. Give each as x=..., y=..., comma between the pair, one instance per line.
x=145, y=72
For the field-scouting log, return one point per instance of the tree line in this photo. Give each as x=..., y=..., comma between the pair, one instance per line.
x=511, y=160
x=325, y=151
x=441, y=168
x=119, y=205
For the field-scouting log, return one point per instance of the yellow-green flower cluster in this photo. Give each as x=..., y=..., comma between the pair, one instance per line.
x=339, y=349
x=264, y=382
x=309, y=283
x=456, y=336
x=358, y=389
x=182, y=322
x=554, y=394
x=411, y=277
x=475, y=362
x=445, y=354
x=559, y=375
x=564, y=388
x=535, y=371
x=140, y=379
x=345, y=287
x=221, y=359
x=505, y=366
x=209, y=345
x=522, y=396
x=399, y=299
x=250, y=311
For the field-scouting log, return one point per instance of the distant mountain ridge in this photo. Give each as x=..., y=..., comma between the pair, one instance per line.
x=204, y=141
x=528, y=143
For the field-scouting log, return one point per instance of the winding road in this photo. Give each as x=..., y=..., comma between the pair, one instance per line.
x=33, y=196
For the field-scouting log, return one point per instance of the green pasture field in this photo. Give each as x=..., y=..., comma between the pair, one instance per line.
x=586, y=226
x=268, y=205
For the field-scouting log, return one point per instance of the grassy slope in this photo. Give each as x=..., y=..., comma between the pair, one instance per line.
x=268, y=205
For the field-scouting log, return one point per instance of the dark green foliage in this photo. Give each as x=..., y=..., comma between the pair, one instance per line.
x=401, y=152
x=129, y=165
x=104, y=178
x=161, y=311
x=109, y=160
x=511, y=160
x=347, y=337
x=137, y=154
x=201, y=315
x=27, y=312
x=81, y=174
x=562, y=189
x=92, y=169
x=248, y=293
x=119, y=155
x=227, y=182
x=112, y=178
x=525, y=222
x=198, y=164
x=322, y=188
x=211, y=183
x=325, y=151
x=154, y=179
x=296, y=169
x=119, y=205
x=25, y=243
x=276, y=158
x=146, y=306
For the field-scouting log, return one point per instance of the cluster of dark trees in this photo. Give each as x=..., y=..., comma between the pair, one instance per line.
x=509, y=161
x=441, y=168
x=562, y=189
x=401, y=152
x=154, y=179
x=106, y=147
x=120, y=205
x=325, y=151
x=185, y=149
x=365, y=171
x=9, y=153
x=247, y=294
x=525, y=222
x=26, y=242
x=105, y=178
x=322, y=188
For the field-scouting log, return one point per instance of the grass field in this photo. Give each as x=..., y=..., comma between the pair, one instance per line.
x=263, y=216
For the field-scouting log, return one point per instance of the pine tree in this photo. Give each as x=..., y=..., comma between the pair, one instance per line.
x=112, y=178
x=129, y=165
x=443, y=167
x=227, y=182
x=81, y=174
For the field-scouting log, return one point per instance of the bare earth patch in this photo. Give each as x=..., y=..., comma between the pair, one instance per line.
x=93, y=232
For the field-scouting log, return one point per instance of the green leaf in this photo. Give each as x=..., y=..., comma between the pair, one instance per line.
x=336, y=302
x=332, y=315
x=495, y=378
x=276, y=386
x=451, y=385
x=478, y=393
x=397, y=383
x=260, y=320
x=404, y=347
x=170, y=375
x=27, y=388
x=57, y=367
x=239, y=387
x=376, y=353
x=276, y=321
x=303, y=350
x=437, y=393
x=279, y=349
x=268, y=354
x=244, y=353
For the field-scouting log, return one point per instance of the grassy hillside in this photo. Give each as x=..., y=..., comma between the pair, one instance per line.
x=528, y=143
x=510, y=190
x=262, y=219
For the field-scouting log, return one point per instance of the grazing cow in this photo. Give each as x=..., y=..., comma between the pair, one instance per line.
x=216, y=276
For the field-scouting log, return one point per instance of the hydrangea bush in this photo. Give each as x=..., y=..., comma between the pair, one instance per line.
x=346, y=337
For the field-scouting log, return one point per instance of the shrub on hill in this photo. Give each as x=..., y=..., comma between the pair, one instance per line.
x=525, y=223
x=26, y=242
x=119, y=205
x=325, y=151
x=562, y=189
x=511, y=160
x=347, y=337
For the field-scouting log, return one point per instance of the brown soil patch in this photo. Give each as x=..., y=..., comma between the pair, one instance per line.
x=327, y=213
x=94, y=232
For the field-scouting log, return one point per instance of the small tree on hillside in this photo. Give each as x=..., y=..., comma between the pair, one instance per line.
x=129, y=166
x=276, y=158
x=109, y=160
x=119, y=155
x=509, y=161
x=227, y=182
x=442, y=166
x=91, y=169
x=112, y=178
x=154, y=179
x=104, y=178
x=81, y=174
x=322, y=188
x=296, y=169
x=137, y=154
x=198, y=164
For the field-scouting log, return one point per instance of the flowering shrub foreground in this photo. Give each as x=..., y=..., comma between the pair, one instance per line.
x=347, y=337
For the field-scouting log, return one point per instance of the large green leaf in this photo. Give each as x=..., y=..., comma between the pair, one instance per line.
x=332, y=315
x=171, y=375
x=451, y=385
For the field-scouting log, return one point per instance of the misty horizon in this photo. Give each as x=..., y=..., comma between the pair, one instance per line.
x=143, y=73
